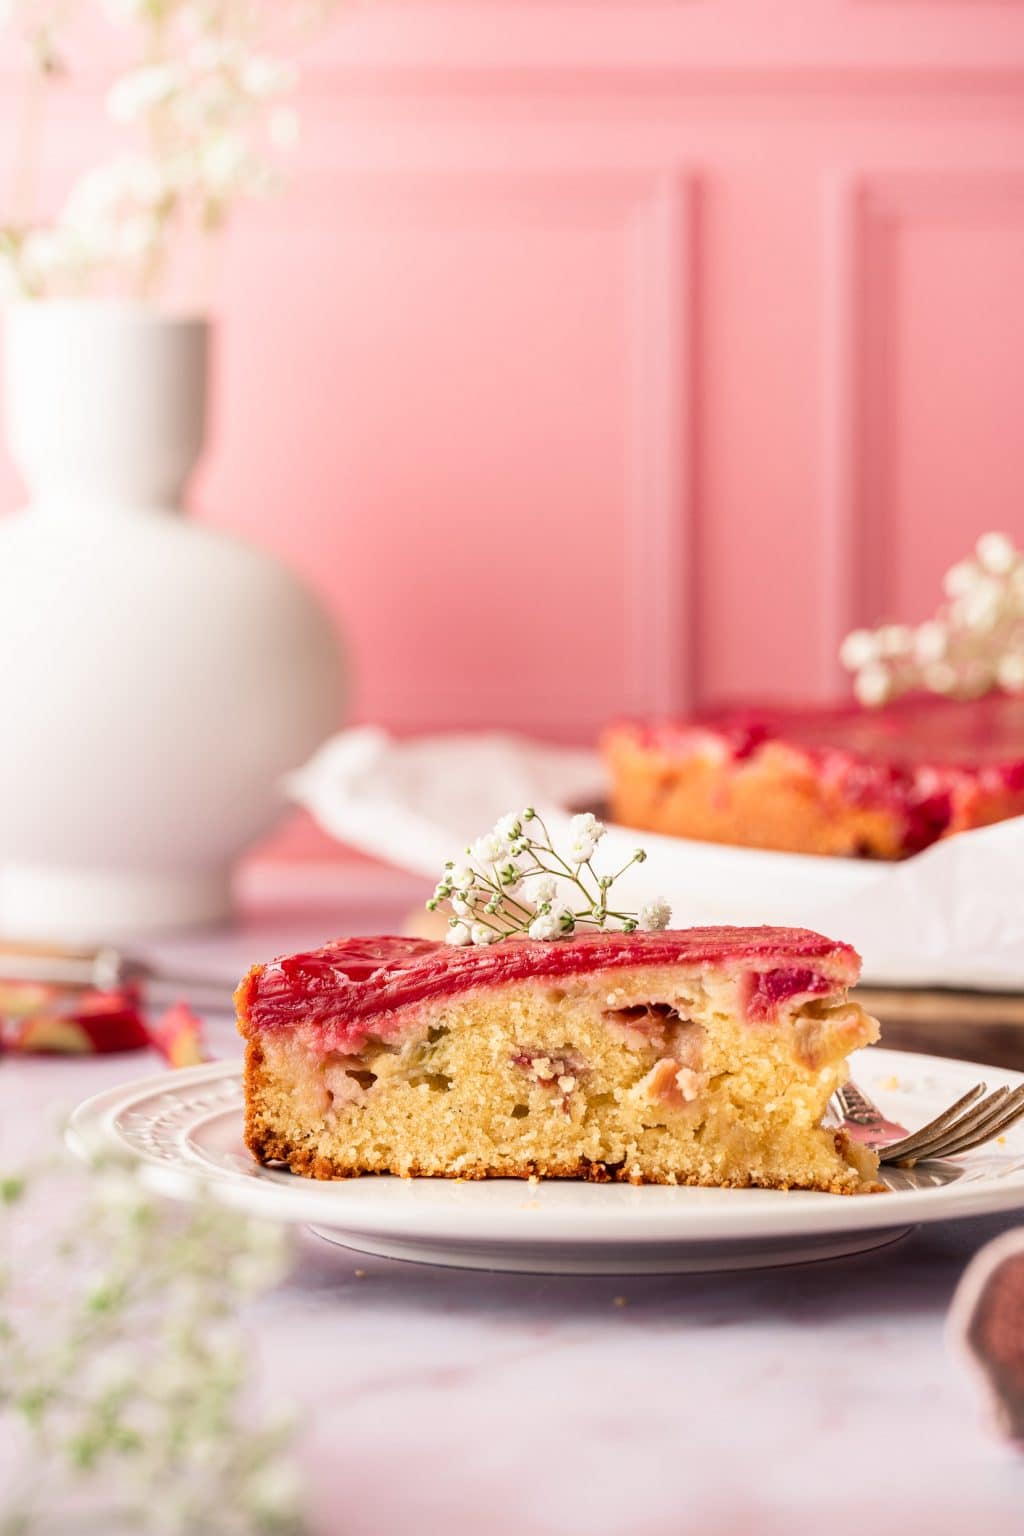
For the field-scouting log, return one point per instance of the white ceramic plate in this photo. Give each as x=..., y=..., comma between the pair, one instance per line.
x=185, y=1128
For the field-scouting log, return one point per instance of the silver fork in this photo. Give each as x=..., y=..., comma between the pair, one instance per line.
x=975, y=1118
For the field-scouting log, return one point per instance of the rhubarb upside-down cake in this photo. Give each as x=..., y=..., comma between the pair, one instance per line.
x=880, y=784
x=699, y=1056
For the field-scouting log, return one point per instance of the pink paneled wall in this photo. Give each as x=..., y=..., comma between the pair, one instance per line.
x=611, y=357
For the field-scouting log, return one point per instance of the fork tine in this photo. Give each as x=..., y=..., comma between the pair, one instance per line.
x=1011, y=1110
x=968, y=1126
x=980, y=1114
x=940, y=1123
x=935, y=1142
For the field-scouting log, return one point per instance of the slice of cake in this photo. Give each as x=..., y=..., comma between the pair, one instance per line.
x=880, y=783
x=701, y=1056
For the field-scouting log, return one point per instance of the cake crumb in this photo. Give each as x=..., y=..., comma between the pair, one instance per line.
x=360, y=1274
x=892, y=1082
x=620, y=1301
x=567, y=1084
x=534, y=1178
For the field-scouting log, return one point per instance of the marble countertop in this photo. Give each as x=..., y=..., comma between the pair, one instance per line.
x=439, y=1400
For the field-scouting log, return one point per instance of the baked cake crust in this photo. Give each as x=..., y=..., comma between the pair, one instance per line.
x=849, y=781
x=704, y=1056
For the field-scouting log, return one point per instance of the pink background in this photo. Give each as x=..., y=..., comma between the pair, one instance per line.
x=618, y=356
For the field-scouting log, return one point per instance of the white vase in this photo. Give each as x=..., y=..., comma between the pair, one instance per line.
x=157, y=678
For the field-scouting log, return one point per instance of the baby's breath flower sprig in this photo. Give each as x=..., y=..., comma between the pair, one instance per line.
x=126, y=1397
x=204, y=100
x=513, y=881
x=974, y=643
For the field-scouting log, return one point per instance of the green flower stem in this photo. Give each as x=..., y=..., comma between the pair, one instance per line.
x=501, y=891
x=622, y=871
x=501, y=932
x=565, y=872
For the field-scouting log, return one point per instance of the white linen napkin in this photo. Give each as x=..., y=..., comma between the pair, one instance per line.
x=951, y=916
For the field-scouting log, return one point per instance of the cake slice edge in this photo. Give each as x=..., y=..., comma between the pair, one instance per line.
x=714, y=1072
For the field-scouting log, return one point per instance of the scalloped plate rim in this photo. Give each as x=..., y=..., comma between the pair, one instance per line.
x=205, y=1151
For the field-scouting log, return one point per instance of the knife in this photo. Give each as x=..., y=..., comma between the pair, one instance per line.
x=107, y=968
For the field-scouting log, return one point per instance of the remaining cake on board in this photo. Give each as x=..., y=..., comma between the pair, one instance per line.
x=881, y=783
x=700, y=1056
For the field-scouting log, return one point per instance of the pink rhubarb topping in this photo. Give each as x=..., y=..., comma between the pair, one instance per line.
x=353, y=988
x=922, y=757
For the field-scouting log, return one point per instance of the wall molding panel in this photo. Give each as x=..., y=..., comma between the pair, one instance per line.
x=718, y=305
x=663, y=594
x=861, y=321
x=648, y=211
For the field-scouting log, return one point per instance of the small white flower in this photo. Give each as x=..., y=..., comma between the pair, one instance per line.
x=481, y=934
x=894, y=639
x=117, y=1189
x=980, y=608
x=459, y=934
x=858, y=650
x=586, y=825
x=214, y=53
x=873, y=684
x=655, y=915
x=543, y=890
x=996, y=553
x=510, y=876
x=930, y=641
x=47, y=255
x=1010, y=671
x=462, y=877
x=225, y=163
x=545, y=927
x=139, y=236
x=508, y=827
x=114, y=1366
x=960, y=578
x=581, y=849
x=263, y=76
x=274, y=1495
x=136, y=180
x=489, y=849
x=141, y=90
x=463, y=903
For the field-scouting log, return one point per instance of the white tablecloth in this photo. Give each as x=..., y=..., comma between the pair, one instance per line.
x=437, y=1400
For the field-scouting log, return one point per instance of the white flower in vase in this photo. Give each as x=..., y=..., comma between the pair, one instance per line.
x=204, y=97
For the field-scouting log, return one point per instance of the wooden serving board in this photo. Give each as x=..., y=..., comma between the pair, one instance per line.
x=971, y=1026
